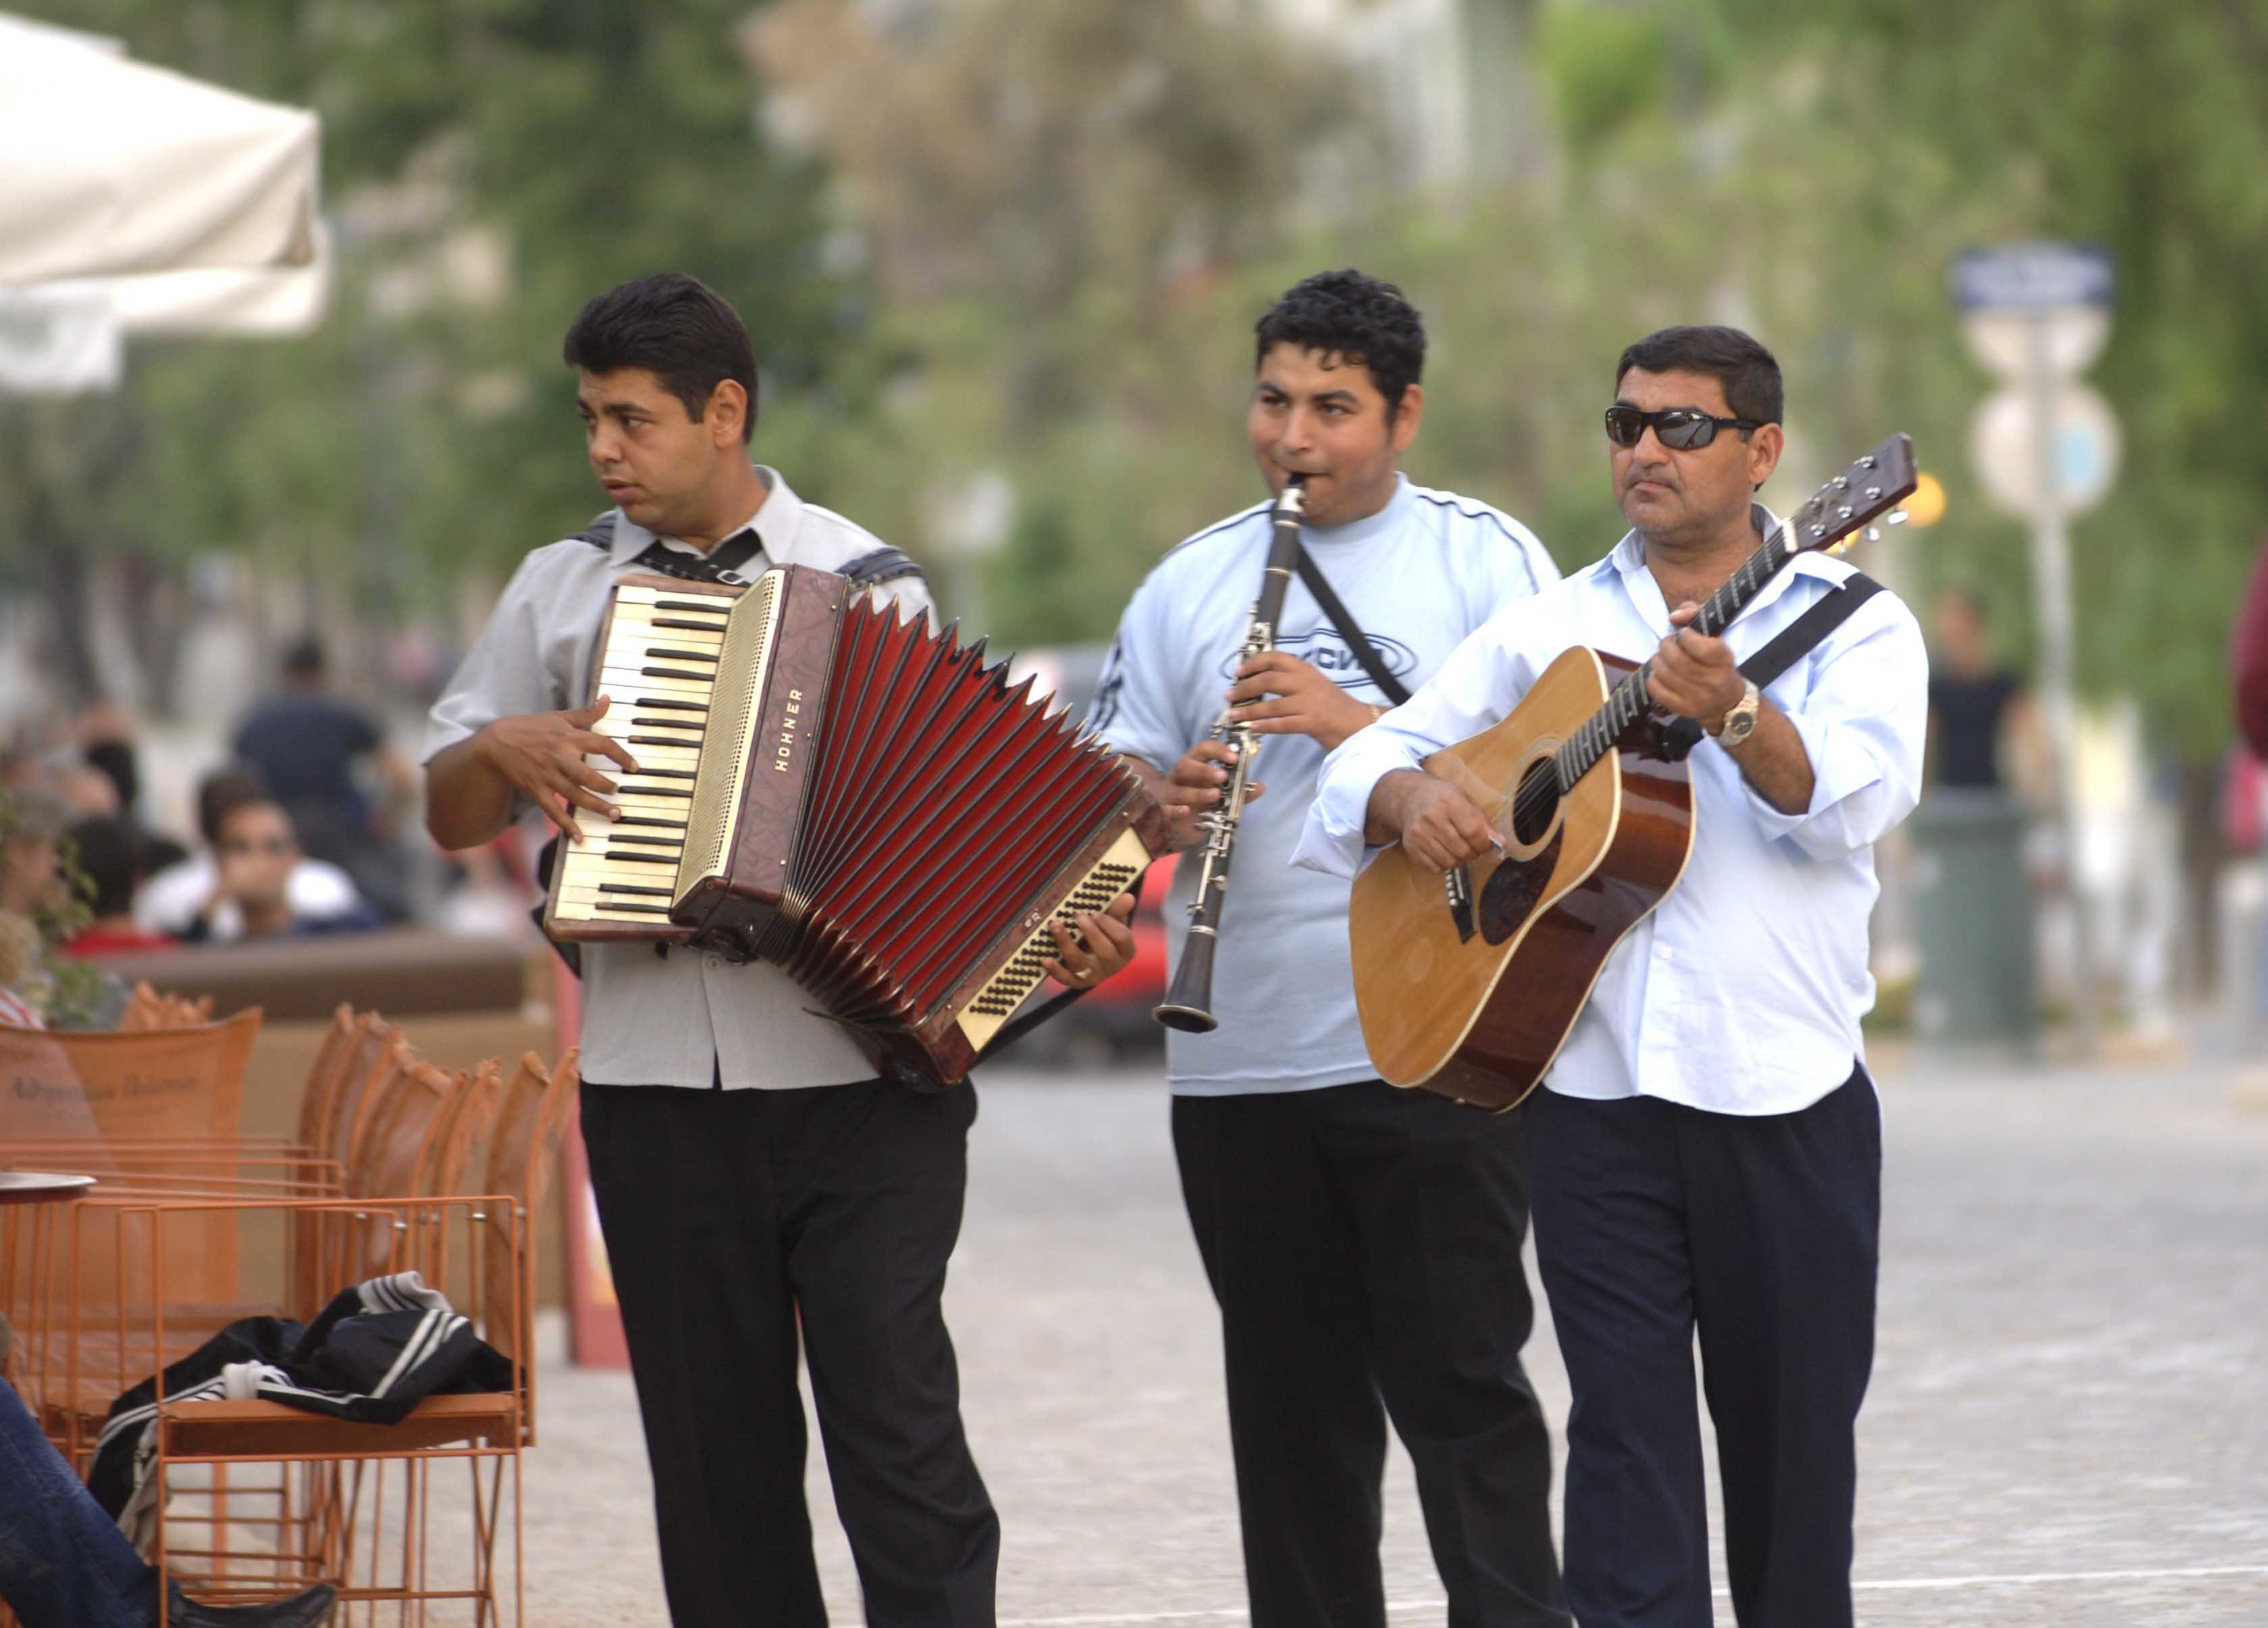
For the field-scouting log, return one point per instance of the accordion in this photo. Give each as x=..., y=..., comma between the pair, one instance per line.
x=831, y=788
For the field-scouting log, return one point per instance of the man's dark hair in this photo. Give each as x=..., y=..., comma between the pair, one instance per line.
x=110, y=857
x=1356, y=318
x=116, y=759
x=224, y=790
x=306, y=658
x=675, y=327
x=1748, y=372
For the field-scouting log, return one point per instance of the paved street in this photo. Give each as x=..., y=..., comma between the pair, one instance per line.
x=2068, y=1423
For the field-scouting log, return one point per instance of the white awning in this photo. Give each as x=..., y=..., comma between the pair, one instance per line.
x=110, y=167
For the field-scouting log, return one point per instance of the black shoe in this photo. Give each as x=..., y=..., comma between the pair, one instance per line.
x=301, y=1610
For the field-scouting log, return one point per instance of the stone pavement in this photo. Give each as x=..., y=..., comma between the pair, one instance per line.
x=2068, y=1423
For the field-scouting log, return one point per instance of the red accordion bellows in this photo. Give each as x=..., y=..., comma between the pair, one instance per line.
x=941, y=801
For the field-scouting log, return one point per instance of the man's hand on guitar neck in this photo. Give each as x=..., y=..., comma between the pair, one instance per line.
x=1438, y=824
x=1695, y=676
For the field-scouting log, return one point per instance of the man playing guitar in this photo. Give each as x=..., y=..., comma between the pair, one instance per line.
x=1707, y=1151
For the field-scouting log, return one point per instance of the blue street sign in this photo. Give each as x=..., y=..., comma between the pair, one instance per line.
x=2032, y=276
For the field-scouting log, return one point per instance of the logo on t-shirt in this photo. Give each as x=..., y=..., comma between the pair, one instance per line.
x=1326, y=649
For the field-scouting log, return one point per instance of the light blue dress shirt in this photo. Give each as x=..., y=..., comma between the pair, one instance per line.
x=1742, y=992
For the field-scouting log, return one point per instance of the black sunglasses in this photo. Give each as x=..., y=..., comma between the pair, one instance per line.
x=1681, y=427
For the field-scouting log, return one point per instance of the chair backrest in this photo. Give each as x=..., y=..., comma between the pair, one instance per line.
x=183, y=1085
x=185, y=1082
x=324, y=1075
x=522, y=1151
x=364, y=1064
x=464, y=1122
x=409, y=1097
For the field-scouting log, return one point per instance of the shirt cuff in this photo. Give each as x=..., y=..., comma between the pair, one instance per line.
x=1841, y=768
x=1331, y=840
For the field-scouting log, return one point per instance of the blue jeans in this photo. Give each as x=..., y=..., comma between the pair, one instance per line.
x=64, y=1563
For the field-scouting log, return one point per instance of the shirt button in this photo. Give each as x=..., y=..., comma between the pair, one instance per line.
x=1664, y=952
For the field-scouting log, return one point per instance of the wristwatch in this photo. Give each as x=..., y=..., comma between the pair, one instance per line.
x=1739, y=719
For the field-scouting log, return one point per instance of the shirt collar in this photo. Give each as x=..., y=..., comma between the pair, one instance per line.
x=781, y=512
x=1629, y=557
x=1370, y=527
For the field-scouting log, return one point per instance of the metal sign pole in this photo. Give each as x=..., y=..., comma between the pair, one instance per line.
x=2051, y=559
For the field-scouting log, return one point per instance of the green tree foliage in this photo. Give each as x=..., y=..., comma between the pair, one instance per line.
x=2143, y=129
x=491, y=165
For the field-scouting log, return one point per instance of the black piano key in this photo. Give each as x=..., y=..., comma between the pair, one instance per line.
x=671, y=653
x=653, y=893
x=707, y=608
x=668, y=825
x=716, y=626
x=675, y=673
x=670, y=704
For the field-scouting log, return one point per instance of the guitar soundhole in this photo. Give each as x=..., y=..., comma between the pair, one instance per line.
x=1512, y=891
x=1535, y=803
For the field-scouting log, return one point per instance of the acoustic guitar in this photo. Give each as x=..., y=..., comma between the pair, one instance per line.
x=1467, y=985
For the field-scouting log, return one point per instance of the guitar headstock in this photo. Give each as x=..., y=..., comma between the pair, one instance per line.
x=1870, y=490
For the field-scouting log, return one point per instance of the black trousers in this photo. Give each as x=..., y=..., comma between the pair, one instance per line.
x=730, y=1218
x=1364, y=1246
x=1653, y=1221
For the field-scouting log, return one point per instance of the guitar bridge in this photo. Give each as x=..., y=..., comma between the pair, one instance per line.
x=1458, y=884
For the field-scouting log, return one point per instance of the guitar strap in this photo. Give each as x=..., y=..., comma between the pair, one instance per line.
x=1793, y=643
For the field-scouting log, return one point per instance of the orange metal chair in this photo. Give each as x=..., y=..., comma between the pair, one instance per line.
x=488, y=1431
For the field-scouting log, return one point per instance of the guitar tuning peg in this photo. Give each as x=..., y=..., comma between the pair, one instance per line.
x=1873, y=533
x=1867, y=462
x=1896, y=516
x=1873, y=494
x=1845, y=512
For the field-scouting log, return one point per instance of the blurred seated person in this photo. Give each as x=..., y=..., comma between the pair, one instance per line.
x=32, y=821
x=308, y=745
x=110, y=857
x=315, y=891
x=106, y=742
x=64, y=1564
x=1978, y=703
x=252, y=890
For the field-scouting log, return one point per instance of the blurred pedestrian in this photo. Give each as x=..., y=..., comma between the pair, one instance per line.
x=1982, y=722
x=2249, y=653
x=309, y=747
x=182, y=893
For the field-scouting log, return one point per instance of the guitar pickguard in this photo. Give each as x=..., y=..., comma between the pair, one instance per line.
x=1509, y=897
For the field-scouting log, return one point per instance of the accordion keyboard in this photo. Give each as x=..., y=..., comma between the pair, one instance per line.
x=659, y=667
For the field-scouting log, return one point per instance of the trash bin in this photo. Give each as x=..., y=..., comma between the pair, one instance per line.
x=1972, y=904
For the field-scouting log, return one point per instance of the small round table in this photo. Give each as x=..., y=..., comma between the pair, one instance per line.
x=40, y=1187
x=24, y=1266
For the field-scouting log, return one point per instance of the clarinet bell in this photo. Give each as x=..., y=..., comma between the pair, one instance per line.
x=1187, y=1005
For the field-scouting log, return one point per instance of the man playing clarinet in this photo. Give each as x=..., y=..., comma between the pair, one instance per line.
x=1363, y=1242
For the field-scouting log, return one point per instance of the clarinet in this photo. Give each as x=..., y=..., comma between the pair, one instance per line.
x=1187, y=1005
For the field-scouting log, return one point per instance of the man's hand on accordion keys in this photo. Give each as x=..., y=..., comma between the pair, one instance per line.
x=543, y=755
x=1100, y=945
